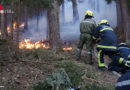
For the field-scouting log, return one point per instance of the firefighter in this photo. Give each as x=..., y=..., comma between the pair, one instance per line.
x=124, y=52
x=87, y=27
x=107, y=44
x=123, y=83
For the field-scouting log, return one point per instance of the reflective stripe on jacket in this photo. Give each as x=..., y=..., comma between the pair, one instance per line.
x=108, y=37
x=123, y=82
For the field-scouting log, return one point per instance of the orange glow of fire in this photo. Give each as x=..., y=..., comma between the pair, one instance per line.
x=14, y=25
x=27, y=44
x=0, y=33
x=67, y=48
x=22, y=25
x=8, y=29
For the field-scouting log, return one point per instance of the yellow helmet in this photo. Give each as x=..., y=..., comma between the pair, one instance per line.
x=89, y=13
x=103, y=21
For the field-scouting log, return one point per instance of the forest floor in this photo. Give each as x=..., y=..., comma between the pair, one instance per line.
x=22, y=69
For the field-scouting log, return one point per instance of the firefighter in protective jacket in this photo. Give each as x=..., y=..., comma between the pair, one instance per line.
x=123, y=83
x=108, y=43
x=123, y=52
x=87, y=27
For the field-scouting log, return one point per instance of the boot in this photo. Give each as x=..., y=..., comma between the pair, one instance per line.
x=89, y=59
x=78, y=55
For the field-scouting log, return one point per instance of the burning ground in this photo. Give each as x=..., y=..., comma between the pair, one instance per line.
x=22, y=69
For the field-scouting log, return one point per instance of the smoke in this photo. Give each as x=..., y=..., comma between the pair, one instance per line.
x=69, y=30
x=35, y=33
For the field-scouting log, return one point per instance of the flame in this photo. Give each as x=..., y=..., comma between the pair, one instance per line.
x=0, y=33
x=27, y=44
x=14, y=25
x=8, y=29
x=67, y=48
x=22, y=25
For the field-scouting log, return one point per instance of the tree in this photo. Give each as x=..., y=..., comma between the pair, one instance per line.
x=75, y=11
x=53, y=7
x=125, y=19
x=54, y=28
x=4, y=34
x=63, y=11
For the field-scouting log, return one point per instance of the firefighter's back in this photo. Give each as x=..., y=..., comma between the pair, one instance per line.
x=87, y=26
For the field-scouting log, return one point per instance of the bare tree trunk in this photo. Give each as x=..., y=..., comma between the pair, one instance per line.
x=125, y=20
x=47, y=33
x=12, y=21
x=4, y=34
x=5, y=25
x=26, y=18
x=75, y=11
x=37, y=22
x=0, y=26
x=54, y=28
x=12, y=29
x=118, y=8
x=98, y=6
x=63, y=11
x=18, y=23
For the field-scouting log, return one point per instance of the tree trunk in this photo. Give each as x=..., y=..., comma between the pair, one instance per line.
x=125, y=20
x=98, y=6
x=37, y=22
x=4, y=34
x=63, y=12
x=118, y=8
x=47, y=32
x=12, y=29
x=12, y=21
x=75, y=12
x=54, y=28
x=0, y=26
x=18, y=23
x=25, y=18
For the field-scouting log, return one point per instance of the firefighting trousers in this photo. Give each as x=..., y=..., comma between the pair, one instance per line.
x=86, y=39
x=112, y=54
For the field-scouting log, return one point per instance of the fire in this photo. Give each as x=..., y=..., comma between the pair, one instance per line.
x=14, y=25
x=8, y=29
x=22, y=25
x=27, y=44
x=67, y=48
x=0, y=33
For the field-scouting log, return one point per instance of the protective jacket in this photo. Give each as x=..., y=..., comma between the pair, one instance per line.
x=87, y=26
x=124, y=52
x=123, y=82
x=108, y=37
x=117, y=64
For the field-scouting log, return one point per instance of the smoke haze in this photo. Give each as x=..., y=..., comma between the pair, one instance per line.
x=68, y=30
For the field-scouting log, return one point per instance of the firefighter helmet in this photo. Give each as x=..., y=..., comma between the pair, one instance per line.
x=89, y=13
x=122, y=45
x=103, y=21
